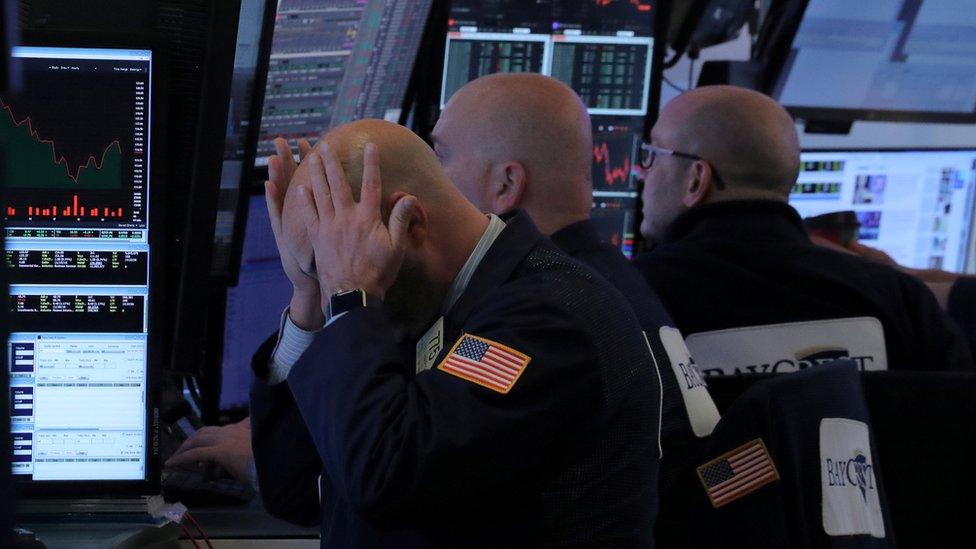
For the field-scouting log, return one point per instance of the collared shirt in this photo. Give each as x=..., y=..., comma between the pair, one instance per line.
x=293, y=340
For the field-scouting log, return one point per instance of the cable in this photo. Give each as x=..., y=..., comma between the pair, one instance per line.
x=186, y=532
x=676, y=87
x=674, y=60
x=199, y=529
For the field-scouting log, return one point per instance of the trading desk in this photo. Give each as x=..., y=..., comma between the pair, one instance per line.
x=239, y=527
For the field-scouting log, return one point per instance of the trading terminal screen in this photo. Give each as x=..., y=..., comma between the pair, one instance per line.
x=915, y=205
x=335, y=61
x=77, y=251
x=603, y=49
x=907, y=55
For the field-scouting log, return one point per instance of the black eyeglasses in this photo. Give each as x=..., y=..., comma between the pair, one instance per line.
x=648, y=153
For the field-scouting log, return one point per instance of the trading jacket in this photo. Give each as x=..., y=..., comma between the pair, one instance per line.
x=536, y=425
x=738, y=264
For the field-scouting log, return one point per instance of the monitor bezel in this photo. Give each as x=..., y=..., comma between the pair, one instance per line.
x=247, y=183
x=779, y=49
x=150, y=483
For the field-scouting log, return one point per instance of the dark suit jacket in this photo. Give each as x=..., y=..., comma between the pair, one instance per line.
x=567, y=457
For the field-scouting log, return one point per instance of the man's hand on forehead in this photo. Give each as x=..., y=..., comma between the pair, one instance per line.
x=353, y=247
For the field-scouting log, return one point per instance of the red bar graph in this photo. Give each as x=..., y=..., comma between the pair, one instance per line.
x=72, y=210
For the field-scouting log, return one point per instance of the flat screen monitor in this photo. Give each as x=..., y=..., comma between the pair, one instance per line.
x=915, y=205
x=335, y=61
x=246, y=100
x=254, y=305
x=603, y=50
x=882, y=59
x=79, y=249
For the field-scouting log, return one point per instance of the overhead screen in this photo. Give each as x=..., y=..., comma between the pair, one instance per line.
x=884, y=59
x=335, y=61
x=603, y=49
x=915, y=205
x=76, y=210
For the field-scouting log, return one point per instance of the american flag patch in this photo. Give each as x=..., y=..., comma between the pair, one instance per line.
x=485, y=362
x=738, y=473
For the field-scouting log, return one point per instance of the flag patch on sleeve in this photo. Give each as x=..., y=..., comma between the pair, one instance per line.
x=485, y=362
x=738, y=473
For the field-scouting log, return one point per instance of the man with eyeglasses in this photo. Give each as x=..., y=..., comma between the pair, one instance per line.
x=734, y=266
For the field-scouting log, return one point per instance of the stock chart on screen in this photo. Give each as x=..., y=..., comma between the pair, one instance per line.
x=79, y=160
x=77, y=254
x=602, y=49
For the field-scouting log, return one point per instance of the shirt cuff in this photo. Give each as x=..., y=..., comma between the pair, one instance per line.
x=291, y=345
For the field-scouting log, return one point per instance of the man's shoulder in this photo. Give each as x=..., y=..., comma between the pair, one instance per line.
x=549, y=279
x=623, y=275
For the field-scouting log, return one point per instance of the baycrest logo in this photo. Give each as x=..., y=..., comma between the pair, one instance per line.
x=856, y=471
x=862, y=471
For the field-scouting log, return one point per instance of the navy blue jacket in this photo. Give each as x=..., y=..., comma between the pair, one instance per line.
x=679, y=444
x=751, y=263
x=567, y=457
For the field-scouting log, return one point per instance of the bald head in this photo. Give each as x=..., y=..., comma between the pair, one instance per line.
x=748, y=138
x=442, y=230
x=500, y=124
x=407, y=164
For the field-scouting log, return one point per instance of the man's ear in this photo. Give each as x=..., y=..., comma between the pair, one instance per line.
x=417, y=229
x=507, y=187
x=699, y=186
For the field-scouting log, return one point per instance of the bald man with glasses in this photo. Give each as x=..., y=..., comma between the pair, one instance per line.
x=734, y=266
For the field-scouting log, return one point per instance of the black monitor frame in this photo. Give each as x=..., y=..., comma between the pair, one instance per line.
x=248, y=180
x=157, y=238
x=776, y=49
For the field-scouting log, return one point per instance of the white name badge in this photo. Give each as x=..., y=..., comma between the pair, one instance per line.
x=784, y=348
x=430, y=346
x=851, y=505
x=702, y=413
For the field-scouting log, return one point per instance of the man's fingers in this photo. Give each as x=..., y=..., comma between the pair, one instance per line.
x=288, y=165
x=189, y=457
x=324, y=207
x=338, y=187
x=372, y=186
x=400, y=221
x=311, y=218
x=275, y=202
x=197, y=441
x=304, y=147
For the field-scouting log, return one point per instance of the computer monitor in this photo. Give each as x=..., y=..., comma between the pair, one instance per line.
x=81, y=235
x=892, y=60
x=247, y=98
x=334, y=61
x=916, y=205
x=254, y=306
x=604, y=50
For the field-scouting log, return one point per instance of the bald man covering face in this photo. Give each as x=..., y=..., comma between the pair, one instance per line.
x=526, y=416
x=736, y=268
x=511, y=141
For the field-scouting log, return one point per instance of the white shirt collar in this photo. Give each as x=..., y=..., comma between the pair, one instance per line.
x=495, y=228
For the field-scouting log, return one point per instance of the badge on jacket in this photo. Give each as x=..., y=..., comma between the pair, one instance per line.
x=430, y=346
x=485, y=362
